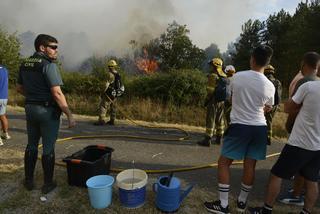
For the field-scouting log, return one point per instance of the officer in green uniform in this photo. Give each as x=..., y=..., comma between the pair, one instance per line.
x=230, y=71
x=39, y=81
x=214, y=117
x=269, y=72
x=113, y=89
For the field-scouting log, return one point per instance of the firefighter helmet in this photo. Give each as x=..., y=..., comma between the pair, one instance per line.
x=112, y=63
x=269, y=69
x=230, y=70
x=217, y=63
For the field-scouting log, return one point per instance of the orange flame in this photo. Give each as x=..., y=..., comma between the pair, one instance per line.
x=145, y=64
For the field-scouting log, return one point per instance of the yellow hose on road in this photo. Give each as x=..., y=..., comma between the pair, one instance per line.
x=183, y=169
x=152, y=171
x=203, y=166
x=186, y=136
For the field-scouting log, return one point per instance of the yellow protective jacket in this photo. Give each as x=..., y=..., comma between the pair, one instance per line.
x=213, y=78
x=109, y=79
x=212, y=83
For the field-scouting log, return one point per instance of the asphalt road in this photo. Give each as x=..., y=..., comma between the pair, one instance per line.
x=149, y=154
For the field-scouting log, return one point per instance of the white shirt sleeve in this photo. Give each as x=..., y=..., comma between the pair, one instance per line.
x=231, y=82
x=301, y=93
x=270, y=101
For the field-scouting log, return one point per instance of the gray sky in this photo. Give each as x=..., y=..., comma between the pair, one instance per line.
x=86, y=27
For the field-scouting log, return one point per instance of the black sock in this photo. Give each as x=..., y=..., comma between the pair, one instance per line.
x=304, y=211
x=267, y=209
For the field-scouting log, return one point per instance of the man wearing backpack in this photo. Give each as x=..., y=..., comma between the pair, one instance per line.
x=269, y=72
x=216, y=95
x=113, y=89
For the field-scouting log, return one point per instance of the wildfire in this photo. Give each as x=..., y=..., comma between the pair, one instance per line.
x=145, y=64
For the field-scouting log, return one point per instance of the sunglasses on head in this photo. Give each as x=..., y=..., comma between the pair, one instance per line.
x=53, y=47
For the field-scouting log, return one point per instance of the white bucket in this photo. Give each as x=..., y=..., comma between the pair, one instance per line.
x=132, y=187
x=130, y=179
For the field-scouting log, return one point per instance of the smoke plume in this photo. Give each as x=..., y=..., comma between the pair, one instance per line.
x=99, y=27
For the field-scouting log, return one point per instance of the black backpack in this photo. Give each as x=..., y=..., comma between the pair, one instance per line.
x=115, y=89
x=222, y=91
x=278, y=91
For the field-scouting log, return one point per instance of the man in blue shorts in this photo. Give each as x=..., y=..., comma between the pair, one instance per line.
x=246, y=137
x=302, y=152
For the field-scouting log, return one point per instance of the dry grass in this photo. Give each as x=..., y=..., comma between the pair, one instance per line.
x=135, y=108
x=67, y=199
x=149, y=110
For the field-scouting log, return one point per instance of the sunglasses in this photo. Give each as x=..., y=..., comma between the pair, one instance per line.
x=53, y=47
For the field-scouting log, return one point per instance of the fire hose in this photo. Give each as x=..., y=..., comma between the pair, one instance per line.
x=151, y=171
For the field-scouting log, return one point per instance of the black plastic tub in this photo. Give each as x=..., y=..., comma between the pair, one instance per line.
x=88, y=162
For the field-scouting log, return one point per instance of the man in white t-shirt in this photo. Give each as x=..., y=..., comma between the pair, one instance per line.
x=302, y=152
x=246, y=137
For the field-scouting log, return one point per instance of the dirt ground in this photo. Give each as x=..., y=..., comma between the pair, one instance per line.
x=147, y=154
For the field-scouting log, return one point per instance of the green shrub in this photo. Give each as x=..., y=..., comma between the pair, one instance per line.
x=81, y=84
x=9, y=53
x=177, y=87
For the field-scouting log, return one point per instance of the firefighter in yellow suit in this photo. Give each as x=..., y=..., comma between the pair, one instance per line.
x=269, y=72
x=113, y=89
x=215, y=110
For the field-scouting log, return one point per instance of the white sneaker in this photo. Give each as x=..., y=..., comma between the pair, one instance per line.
x=5, y=136
x=1, y=143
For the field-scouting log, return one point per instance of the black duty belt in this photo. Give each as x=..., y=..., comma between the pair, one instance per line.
x=41, y=103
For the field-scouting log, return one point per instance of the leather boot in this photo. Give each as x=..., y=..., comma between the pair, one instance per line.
x=218, y=140
x=48, y=162
x=205, y=142
x=99, y=123
x=269, y=141
x=111, y=122
x=30, y=160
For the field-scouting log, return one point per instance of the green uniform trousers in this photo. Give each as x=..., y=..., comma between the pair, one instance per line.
x=42, y=122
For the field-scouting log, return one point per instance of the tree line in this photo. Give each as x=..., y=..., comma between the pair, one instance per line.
x=290, y=36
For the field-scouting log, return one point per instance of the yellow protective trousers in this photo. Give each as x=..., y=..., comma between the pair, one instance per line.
x=105, y=105
x=215, y=118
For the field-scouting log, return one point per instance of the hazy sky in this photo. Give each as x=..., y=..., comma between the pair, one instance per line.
x=86, y=27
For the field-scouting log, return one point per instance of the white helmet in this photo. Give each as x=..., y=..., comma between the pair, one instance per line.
x=229, y=69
